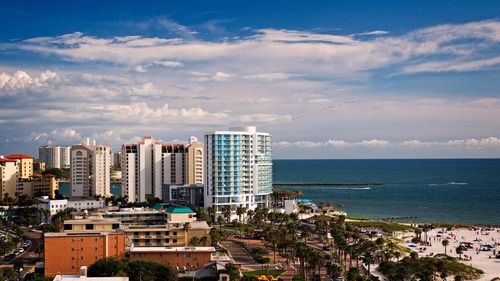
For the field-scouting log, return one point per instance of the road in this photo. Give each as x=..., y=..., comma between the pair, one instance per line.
x=31, y=255
x=239, y=255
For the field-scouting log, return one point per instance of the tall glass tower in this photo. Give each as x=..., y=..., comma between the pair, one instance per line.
x=238, y=168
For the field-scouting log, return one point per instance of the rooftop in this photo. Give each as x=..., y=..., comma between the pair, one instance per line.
x=79, y=278
x=19, y=156
x=135, y=249
x=179, y=210
x=76, y=234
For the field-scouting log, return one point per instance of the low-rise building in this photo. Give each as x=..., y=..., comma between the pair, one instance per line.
x=139, y=216
x=192, y=258
x=190, y=195
x=37, y=185
x=168, y=235
x=55, y=206
x=180, y=214
x=91, y=223
x=66, y=253
x=83, y=277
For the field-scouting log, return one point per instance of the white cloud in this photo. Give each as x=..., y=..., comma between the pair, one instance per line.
x=269, y=76
x=22, y=80
x=274, y=52
x=216, y=77
x=472, y=142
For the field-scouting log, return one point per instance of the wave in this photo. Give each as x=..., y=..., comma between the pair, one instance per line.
x=448, y=183
x=353, y=188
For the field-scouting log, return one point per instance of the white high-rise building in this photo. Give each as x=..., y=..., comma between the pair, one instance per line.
x=54, y=156
x=238, y=168
x=90, y=170
x=148, y=165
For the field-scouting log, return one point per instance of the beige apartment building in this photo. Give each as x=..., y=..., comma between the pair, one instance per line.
x=8, y=176
x=167, y=235
x=90, y=224
x=37, y=185
x=194, y=162
x=24, y=164
x=90, y=170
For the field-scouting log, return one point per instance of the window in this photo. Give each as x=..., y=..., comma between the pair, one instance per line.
x=68, y=227
x=89, y=226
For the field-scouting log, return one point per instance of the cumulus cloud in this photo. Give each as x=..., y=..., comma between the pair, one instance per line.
x=22, y=80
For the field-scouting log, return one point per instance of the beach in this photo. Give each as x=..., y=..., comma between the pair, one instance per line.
x=476, y=257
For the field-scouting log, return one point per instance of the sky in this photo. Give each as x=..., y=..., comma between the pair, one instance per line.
x=328, y=79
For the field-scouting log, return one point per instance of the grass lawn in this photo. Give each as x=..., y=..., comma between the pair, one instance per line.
x=296, y=278
x=273, y=272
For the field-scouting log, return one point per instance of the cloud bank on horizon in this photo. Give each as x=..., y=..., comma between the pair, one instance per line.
x=430, y=92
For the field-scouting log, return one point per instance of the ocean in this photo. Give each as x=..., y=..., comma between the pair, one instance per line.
x=434, y=190
x=444, y=190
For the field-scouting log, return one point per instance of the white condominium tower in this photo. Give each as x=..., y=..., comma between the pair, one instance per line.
x=149, y=165
x=54, y=156
x=90, y=170
x=238, y=169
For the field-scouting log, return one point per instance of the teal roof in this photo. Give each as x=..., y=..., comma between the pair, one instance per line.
x=179, y=210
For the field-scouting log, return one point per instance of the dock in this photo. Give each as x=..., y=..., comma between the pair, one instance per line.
x=327, y=183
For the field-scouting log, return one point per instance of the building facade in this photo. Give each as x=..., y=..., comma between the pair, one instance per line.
x=8, y=176
x=149, y=165
x=54, y=206
x=65, y=253
x=238, y=168
x=24, y=164
x=141, y=216
x=37, y=185
x=167, y=235
x=195, y=154
x=191, y=195
x=55, y=156
x=188, y=258
x=90, y=170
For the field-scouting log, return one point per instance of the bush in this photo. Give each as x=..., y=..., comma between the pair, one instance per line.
x=261, y=259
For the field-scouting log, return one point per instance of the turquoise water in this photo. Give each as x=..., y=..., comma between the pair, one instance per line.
x=458, y=190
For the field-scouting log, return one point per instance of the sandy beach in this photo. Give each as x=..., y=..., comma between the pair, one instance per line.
x=482, y=259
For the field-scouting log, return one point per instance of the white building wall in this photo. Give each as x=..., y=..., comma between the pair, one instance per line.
x=238, y=168
x=157, y=169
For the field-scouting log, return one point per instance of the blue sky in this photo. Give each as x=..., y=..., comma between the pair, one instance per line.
x=329, y=79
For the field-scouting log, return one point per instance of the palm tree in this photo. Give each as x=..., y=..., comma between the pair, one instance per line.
x=459, y=252
x=226, y=212
x=240, y=210
x=445, y=244
x=220, y=222
x=418, y=233
x=186, y=227
x=425, y=230
x=211, y=214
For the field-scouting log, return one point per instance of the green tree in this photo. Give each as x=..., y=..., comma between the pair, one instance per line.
x=107, y=267
x=149, y=271
x=232, y=271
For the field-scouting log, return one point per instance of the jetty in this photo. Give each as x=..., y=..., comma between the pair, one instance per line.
x=294, y=183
